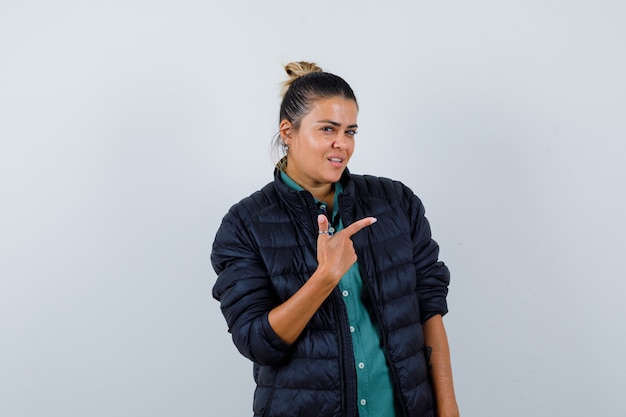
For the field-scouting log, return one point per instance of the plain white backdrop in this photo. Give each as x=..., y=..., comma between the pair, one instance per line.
x=128, y=128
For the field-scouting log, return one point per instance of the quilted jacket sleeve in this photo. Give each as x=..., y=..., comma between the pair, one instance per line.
x=433, y=276
x=244, y=291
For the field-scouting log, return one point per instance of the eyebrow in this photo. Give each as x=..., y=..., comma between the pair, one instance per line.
x=336, y=124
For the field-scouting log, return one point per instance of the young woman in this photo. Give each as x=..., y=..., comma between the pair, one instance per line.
x=329, y=281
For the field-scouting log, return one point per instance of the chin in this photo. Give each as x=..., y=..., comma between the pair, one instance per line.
x=334, y=178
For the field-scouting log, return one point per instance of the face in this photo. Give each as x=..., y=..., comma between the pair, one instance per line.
x=320, y=149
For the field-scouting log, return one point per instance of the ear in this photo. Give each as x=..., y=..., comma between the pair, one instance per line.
x=286, y=130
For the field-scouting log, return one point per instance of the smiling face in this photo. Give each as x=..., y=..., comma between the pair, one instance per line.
x=319, y=150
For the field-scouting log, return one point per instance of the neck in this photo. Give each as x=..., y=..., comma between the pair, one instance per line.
x=328, y=197
x=321, y=191
x=324, y=193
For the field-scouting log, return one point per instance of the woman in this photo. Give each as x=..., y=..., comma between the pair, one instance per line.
x=330, y=281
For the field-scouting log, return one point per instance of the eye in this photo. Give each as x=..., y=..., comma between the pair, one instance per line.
x=327, y=129
x=351, y=132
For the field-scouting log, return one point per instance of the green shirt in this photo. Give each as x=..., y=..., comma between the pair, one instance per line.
x=375, y=396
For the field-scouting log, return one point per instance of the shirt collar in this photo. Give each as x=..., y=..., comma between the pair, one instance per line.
x=295, y=186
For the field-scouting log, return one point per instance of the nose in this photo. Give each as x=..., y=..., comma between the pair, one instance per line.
x=340, y=142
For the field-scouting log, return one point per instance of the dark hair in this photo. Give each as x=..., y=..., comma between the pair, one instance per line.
x=307, y=83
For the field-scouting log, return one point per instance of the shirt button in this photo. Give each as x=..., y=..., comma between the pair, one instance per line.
x=361, y=365
x=344, y=293
x=363, y=401
x=352, y=329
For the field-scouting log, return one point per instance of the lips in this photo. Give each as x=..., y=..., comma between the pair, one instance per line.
x=336, y=162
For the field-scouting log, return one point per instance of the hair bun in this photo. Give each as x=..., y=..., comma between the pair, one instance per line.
x=296, y=70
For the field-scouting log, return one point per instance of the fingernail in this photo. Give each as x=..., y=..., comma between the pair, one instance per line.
x=374, y=220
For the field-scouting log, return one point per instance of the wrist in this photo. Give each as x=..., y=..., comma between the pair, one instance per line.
x=323, y=280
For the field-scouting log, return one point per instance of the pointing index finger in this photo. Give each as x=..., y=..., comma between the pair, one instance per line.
x=359, y=224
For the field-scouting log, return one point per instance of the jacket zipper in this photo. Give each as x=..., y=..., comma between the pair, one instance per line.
x=348, y=386
x=341, y=365
x=309, y=202
x=348, y=407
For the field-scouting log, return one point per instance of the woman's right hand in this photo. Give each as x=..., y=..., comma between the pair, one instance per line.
x=335, y=253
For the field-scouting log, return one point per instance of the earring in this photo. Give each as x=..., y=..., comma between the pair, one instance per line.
x=285, y=148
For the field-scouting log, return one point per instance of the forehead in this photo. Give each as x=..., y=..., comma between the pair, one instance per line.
x=339, y=108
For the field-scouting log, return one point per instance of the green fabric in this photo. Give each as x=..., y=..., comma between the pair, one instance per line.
x=374, y=387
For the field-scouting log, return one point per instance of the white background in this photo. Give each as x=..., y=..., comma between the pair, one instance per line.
x=128, y=128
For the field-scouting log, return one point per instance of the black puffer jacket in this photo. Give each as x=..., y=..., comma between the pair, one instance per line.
x=265, y=250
